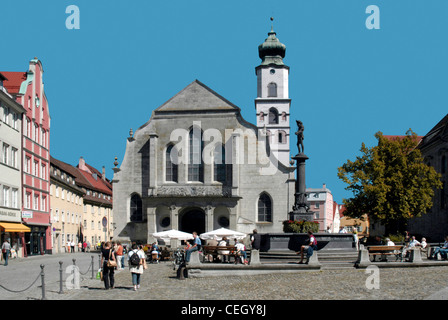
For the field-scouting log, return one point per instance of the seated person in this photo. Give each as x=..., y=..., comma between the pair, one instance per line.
x=155, y=252
x=442, y=251
x=195, y=247
x=310, y=247
x=240, y=251
x=412, y=244
x=223, y=253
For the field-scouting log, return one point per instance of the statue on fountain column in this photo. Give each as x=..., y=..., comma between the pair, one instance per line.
x=300, y=137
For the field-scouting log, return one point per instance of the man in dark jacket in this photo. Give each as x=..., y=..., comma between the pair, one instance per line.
x=255, y=240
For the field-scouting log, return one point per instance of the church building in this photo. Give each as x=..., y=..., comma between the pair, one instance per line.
x=197, y=165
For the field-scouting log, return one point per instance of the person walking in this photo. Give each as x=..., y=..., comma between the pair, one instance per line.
x=6, y=248
x=72, y=245
x=107, y=254
x=136, y=262
x=119, y=255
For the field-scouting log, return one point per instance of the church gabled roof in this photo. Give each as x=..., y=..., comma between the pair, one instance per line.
x=196, y=97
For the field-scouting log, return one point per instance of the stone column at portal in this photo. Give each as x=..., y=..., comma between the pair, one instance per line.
x=174, y=217
x=233, y=215
x=209, y=218
x=151, y=222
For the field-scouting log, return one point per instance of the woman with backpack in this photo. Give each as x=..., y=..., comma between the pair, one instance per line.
x=136, y=262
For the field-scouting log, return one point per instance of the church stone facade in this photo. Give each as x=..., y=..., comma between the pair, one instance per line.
x=197, y=165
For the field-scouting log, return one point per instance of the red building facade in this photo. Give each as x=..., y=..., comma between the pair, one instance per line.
x=28, y=89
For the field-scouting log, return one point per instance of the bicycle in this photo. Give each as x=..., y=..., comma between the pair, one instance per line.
x=178, y=258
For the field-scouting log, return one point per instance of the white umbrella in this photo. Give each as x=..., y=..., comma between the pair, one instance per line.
x=173, y=234
x=222, y=232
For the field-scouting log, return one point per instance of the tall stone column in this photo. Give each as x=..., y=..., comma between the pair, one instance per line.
x=174, y=217
x=150, y=222
x=301, y=207
x=208, y=218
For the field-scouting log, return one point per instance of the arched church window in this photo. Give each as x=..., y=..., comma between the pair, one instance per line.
x=272, y=89
x=136, y=208
x=273, y=116
x=264, y=208
x=171, y=164
x=219, y=168
x=195, y=161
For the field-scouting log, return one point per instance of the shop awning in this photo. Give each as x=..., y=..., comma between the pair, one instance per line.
x=14, y=227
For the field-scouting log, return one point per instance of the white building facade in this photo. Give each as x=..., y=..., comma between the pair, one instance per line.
x=197, y=165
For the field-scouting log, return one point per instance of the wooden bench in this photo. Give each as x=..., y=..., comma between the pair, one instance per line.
x=216, y=251
x=386, y=250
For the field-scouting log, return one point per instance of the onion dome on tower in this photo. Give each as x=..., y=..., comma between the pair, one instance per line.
x=271, y=51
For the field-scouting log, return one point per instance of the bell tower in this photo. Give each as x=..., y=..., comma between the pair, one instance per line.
x=272, y=103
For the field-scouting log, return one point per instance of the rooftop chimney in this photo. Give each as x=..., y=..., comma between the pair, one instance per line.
x=104, y=173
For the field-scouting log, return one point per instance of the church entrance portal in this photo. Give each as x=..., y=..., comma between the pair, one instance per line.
x=192, y=220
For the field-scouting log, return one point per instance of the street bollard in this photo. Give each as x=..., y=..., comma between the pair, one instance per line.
x=99, y=260
x=61, y=290
x=93, y=270
x=42, y=274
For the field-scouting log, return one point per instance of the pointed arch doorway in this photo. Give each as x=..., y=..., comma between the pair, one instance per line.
x=192, y=219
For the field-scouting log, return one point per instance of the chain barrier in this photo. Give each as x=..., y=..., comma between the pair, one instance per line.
x=18, y=291
x=41, y=276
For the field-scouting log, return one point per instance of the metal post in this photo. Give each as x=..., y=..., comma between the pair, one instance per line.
x=93, y=270
x=42, y=274
x=60, y=278
x=99, y=261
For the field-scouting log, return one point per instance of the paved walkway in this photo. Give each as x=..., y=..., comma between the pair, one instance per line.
x=159, y=282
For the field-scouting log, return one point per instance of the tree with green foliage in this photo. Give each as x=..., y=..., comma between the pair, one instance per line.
x=390, y=182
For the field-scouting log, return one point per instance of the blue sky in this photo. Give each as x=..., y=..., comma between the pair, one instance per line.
x=128, y=57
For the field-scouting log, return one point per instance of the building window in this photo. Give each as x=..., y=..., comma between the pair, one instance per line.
x=317, y=205
x=14, y=157
x=36, y=202
x=15, y=121
x=5, y=196
x=136, y=208
x=272, y=89
x=195, y=161
x=273, y=116
x=219, y=168
x=28, y=128
x=171, y=164
x=264, y=208
x=36, y=168
x=36, y=133
x=15, y=198
x=6, y=115
x=5, y=150
x=43, y=205
x=282, y=137
x=27, y=164
x=28, y=200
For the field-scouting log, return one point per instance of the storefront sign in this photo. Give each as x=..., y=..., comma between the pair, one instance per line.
x=8, y=215
x=27, y=214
